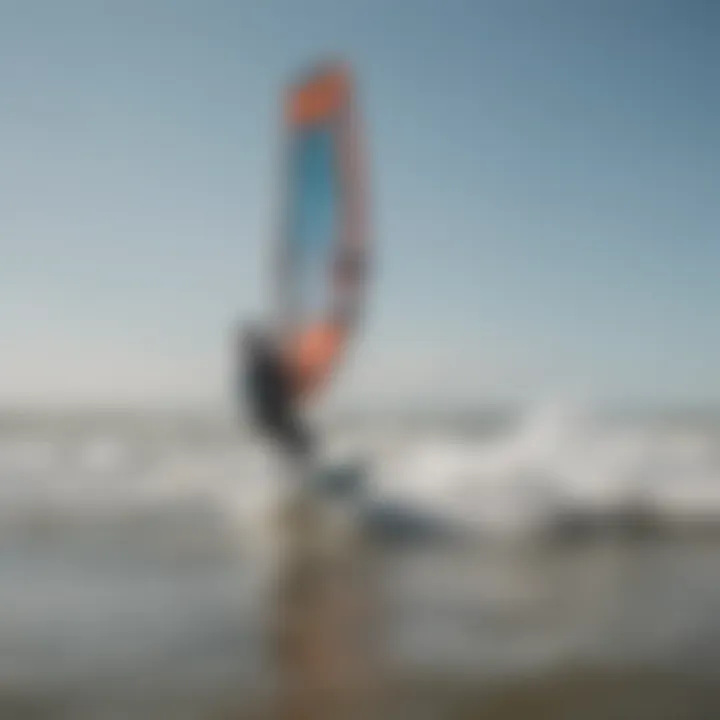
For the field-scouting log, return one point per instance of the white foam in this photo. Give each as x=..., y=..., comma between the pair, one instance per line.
x=554, y=461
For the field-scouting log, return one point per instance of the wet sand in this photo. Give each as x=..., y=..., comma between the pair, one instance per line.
x=614, y=687
x=633, y=694
x=607, y=630
x=591, y=695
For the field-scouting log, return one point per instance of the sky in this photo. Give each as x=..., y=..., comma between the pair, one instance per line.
x=544, y=178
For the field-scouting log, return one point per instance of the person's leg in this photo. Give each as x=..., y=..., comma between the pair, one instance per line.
x=295, y=437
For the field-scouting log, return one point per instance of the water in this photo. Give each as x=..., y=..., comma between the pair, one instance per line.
x=136, y=554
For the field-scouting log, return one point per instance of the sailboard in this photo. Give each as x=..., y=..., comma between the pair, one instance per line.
x=323, y=252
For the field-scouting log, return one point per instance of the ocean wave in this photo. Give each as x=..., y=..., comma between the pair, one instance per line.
x=554, y=470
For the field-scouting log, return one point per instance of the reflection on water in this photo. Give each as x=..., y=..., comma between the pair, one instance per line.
x=323, y=627
x=175, y=622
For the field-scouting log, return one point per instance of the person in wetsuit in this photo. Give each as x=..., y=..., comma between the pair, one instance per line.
x=270, y=393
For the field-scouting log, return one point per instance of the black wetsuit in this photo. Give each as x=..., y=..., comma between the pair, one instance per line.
x=271, y=402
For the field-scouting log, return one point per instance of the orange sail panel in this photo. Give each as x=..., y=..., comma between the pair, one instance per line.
x=323, y=254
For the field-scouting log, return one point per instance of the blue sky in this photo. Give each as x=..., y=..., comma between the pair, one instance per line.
x=545, y=182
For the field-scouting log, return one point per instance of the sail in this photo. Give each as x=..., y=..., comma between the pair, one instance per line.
x=324, y=244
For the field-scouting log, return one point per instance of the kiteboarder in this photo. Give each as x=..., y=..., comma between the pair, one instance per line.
x=269, y=392
x=280, y=380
